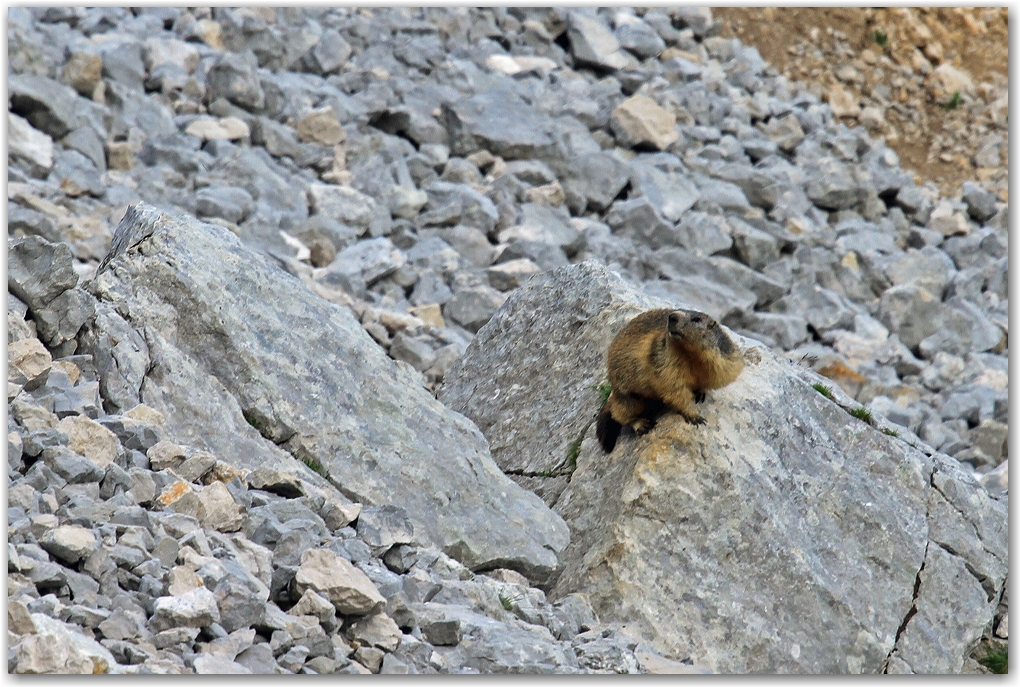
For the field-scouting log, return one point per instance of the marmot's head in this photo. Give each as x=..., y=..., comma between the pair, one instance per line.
x=698, y=329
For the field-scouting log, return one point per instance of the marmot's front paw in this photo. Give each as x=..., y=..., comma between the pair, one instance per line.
x=694, y=419
x=643, y=425
x=699, y=396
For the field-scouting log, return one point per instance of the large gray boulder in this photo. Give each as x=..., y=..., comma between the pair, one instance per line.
x=785, y=535
x=244, y=361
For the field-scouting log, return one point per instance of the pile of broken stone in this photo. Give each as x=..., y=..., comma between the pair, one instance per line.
x=416, y=167
x=129, y=553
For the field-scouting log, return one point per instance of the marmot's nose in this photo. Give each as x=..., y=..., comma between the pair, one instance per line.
x=673, y=318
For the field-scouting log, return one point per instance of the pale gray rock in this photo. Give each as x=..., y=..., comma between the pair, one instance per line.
x=77, y=174
x=49, y=106
x=499, y=121
x=593, y=44
x=597, y=177
x=785, y=132
x=638, y=220
x=330, y=53
x=985, y=335
x=700, y=293
x=214, y=664
x=342, y=203
x=831, y=185
x=761, y=188
x=62, y=319
x=367, y=261
x=705, y=233
x=473, y=306
x=606, y=651
x=719, y=195
x=511, y=274
x=915, y=202
x=451, y=204
x=195, y=608
x=697, y=19
x=823, y=308
x=378, y=630
x=512, y=646
x=226, y=202
x=471, y=243
x=670, y=193
x=254, y=389
x=640, y=39
x=258, y=659
x=38, y=271
x=24, y=142
x=123, y=624
x=980, y=203
x=754, y=247
x=923, y=323
x=348, y=588
x=928, y=268
x=121, y=357
x=788, y=331
x=233, y=77
x=383, y=526
x=866, y=549
x=544, y=224
x=718, y=286
x=72, y=467
x=240, y=596
x=69, y=543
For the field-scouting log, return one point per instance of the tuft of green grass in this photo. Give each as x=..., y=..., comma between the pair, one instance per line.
x=861, y=413
x=881, y=38
x=604, y=389
x=996, y=661
x=891, y=432
x=505, y=601
x=250, y=418
x=572, y=452
x=954, y=102
x=315, y=466
x=823, y=390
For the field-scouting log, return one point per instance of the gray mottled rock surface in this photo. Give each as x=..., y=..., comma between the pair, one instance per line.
x=204, y=301
x=415, y=167
x=741, y=544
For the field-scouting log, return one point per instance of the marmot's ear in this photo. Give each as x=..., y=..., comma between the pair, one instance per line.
x=712, y=324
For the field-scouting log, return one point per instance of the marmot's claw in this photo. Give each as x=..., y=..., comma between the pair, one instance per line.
x=643, y=426
x=695, y=420
x=699, y=396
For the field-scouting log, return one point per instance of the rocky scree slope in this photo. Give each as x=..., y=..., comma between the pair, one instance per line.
x=784, y=535
x=416, y=166
x=131, y=553
x=421, y=164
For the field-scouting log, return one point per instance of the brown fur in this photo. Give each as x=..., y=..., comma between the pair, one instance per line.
x=665, y=358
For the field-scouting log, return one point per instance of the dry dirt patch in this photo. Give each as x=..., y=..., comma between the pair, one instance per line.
x=896, y=71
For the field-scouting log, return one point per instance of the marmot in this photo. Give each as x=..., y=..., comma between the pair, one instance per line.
x=665, y=358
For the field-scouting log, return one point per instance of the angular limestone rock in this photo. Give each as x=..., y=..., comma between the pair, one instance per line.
x=784, y=535
x=237, y=345
x=335, y=578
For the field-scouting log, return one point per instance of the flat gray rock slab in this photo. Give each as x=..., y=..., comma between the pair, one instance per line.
x=236, y=343
x=784, y=535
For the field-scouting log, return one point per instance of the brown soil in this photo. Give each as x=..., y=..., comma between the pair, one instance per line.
x=838, y=48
